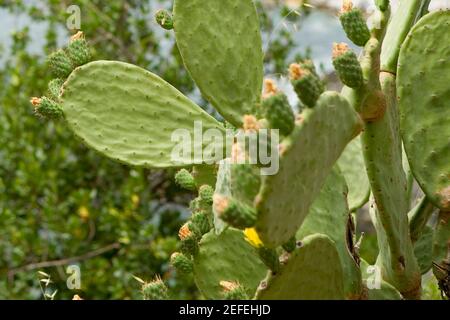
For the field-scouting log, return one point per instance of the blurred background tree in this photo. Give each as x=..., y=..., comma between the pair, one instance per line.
x=63, y=204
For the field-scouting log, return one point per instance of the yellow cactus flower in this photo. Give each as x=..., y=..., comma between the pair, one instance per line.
x=253, y=238
x=135, y=200
x=83, y=212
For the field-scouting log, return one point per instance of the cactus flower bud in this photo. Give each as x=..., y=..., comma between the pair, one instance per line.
x=60, y=64
x=233, y=290
x=347, y=66
x=46, y=107
x=201, y=222
x=354, y=24
x=185, y=180
x=306, y=84
x=279, y=113
x=182, y=263
x=155, y=290
x=234, y=212
x=189, y=240
x=164, y=19
x=54, y=88
x=78, y=50
x=206, y=192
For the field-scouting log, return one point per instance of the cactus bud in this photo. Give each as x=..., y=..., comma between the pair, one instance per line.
x=270, y=88
x=60, y=64
x=270, y=258
x=354, y=24
x=233, y=290
x=245, y=181
x=347, y=66
x=279, y=113
x=54, y=88
x=306, y=84
x=155, y=290
x=234, y=212
x=185, y=180
x=201, y=222
x=164, y=19
x=206, y=192
x=189, y=240
x=78, y=50
x=46, y=107
x=180, y=262
x=290, y=245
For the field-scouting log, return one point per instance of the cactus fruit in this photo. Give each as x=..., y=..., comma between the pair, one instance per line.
x=185, y=180
x=233, y=291
x=354, y=24
x=306, y=84
x=347, y=66
x=299, y=237
x=277, y=110
x=46, y=107
x=78, y=50
x=164, y=19
x=182, y=263
x=155, y=290
x=60, y=64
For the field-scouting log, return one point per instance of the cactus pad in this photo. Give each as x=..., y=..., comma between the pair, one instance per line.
x=425, y=113
x=130, y=114
x=307, y=157
x=220, y=43
x=329, y=215
x=352, y=167
x=227, y=257
x=311, y=272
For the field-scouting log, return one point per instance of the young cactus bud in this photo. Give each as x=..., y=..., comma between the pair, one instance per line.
x=291, y=245
x=233, y=291
x=60, y=64
x=235, y=213
x=245, y=181
x=180, y=262
x=354, y=24
x=189, y=240
x=347, y=66
x=185, y=180
x=78, y=50
x=155, y=290
x=54, y=88
x=277, y=110
x=46, y=108
x=308, y=64
x=164, y=19
x=307, y=85
x=270, y=258
x=206, y=193
x=200, y=221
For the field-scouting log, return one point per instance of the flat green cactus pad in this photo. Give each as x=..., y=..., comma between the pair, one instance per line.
x=307, y=157
x=423, y=87
x=220, y=43
x=227, y=257
x=423, y=250
x=441, y=238
x=329, y=215
x=130, y=114
x=377, y=289
x=312, y=272
x=352, y=167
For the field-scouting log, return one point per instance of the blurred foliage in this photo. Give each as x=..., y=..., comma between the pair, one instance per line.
x=60, y=200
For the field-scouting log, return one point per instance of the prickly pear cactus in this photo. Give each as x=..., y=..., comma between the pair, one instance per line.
x=287, y=233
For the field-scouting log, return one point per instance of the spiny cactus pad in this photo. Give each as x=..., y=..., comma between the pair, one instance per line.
x=425, y=113
x=129, y=114
x=329, y=215
x=227, y=257
x=220, y=43
x=307, y=157
x=352, y=167
x=312, y=272
x=377, y=288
